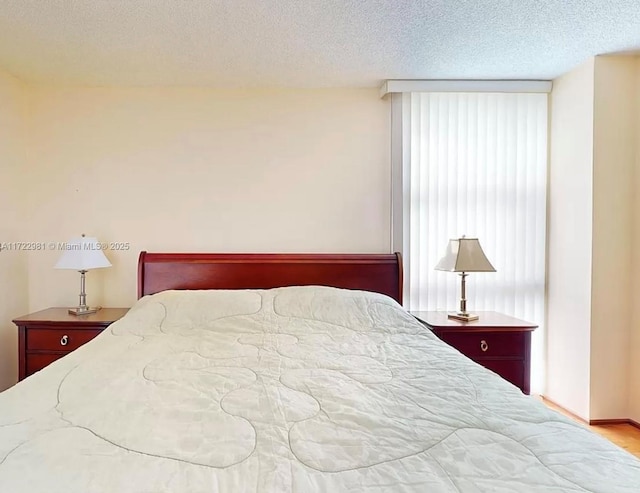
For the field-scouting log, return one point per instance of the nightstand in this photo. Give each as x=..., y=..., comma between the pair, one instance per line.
x=48, y=335
x=498, y=342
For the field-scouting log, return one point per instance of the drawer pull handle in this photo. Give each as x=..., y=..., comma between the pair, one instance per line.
x=64, y=340
x=484, y=346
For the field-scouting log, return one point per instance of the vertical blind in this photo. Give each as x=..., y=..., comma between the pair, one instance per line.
x=475, y=164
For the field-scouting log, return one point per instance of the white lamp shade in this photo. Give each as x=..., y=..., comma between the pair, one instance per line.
x=465, y=255
x=83, y=253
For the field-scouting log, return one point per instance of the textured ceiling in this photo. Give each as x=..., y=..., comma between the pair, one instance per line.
x=306, y=43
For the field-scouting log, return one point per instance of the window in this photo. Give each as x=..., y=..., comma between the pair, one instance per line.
x=473, y=164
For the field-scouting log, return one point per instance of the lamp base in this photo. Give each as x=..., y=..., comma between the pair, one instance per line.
x=84, y=310
x=463, y=317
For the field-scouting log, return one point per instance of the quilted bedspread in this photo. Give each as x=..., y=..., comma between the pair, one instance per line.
x=287, y=390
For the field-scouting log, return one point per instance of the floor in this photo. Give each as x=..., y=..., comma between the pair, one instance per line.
x=624, y=435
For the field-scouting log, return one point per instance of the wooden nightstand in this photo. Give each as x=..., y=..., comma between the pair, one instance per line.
x=48, y=335
x=498, y=342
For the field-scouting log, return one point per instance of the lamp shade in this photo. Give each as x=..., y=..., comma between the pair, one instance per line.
x=84, y=253
x=465, y=255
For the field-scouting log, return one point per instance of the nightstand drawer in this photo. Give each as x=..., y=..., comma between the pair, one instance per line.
x=36, y=362
x=48, y=335
x=59, y=339
x=498, y=342
x=511, y=370
x=486, y=344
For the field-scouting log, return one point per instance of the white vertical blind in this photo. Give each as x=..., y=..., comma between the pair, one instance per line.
x=475, y=164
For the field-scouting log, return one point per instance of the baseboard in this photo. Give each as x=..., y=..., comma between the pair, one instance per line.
x=623, y=421
x=564, y=410
x=593, y=422
x=602, y=422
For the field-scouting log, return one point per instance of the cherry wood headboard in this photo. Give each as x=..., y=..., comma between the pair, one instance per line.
x=369, y=272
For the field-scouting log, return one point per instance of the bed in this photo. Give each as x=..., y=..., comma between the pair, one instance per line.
x=293, y=373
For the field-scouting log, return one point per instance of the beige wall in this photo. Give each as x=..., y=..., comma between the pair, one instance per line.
x=202, y=170
x=594, y=228
x=569, y=245
x=614, y=155
x=13, y=279
x=634, y=357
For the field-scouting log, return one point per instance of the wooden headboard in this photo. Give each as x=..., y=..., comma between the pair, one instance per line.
x=369, y=272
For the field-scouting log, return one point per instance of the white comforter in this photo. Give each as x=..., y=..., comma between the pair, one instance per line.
x=287, y=390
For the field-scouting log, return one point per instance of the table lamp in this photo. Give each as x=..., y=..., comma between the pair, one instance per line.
x=464, y=255
x=83, y=254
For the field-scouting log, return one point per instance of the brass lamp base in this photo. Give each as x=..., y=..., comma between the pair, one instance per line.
x=84, y=310
x=463, y=317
